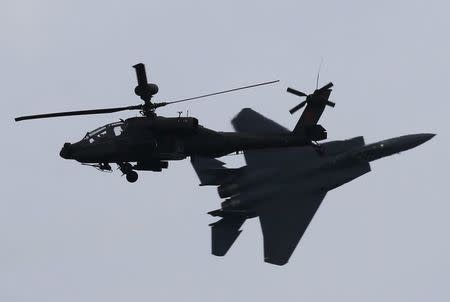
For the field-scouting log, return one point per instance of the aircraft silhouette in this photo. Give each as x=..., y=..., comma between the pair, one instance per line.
x=284, y=187
x=148, y=142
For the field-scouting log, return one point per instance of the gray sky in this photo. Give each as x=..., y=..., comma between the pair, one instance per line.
x=70, y=233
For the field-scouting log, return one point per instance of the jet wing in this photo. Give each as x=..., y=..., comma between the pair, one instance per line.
x=284, y=222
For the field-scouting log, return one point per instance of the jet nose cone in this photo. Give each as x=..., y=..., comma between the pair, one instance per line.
x=414, y=140
x=428, y=136
x=65, y=151
x=419, y=139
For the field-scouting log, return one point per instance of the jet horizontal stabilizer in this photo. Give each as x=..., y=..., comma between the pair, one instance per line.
x=224, y=233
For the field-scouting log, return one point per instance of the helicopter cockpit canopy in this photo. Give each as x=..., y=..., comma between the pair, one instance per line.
x=107, y=131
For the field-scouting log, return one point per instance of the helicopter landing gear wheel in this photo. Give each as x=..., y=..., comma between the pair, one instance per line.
x=127, y=170
x=132, y=176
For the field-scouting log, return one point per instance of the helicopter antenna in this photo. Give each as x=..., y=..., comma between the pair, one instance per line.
x=318, y=72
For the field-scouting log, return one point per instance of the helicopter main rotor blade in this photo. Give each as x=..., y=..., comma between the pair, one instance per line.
x=298, y=107
x=151, y=106
x=216, y=93
x=79, y=112
x=296, y=92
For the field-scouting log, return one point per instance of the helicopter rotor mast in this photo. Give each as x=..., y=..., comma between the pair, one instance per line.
x=145, y=91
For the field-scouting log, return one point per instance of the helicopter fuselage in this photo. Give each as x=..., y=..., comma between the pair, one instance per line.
x=151, y=140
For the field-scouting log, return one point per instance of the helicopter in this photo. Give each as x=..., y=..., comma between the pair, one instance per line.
x=148, y=142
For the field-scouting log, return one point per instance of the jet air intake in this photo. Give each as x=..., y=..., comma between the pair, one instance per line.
x=228, y=190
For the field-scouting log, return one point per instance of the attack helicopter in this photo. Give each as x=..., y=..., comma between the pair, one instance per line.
x=148, y=142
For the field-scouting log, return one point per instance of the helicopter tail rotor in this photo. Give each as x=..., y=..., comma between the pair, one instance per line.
x=319, y=97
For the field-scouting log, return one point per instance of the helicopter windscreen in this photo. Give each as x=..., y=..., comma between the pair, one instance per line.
x=107, y=131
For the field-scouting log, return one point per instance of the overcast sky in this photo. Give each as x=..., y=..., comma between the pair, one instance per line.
x=71, y=233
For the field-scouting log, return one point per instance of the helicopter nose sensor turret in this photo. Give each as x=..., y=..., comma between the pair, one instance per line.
x=66, y=151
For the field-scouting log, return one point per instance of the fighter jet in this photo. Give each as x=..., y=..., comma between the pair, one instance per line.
x=285, y=187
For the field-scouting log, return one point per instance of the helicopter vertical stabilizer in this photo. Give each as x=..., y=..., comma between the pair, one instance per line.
x=315, y=105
